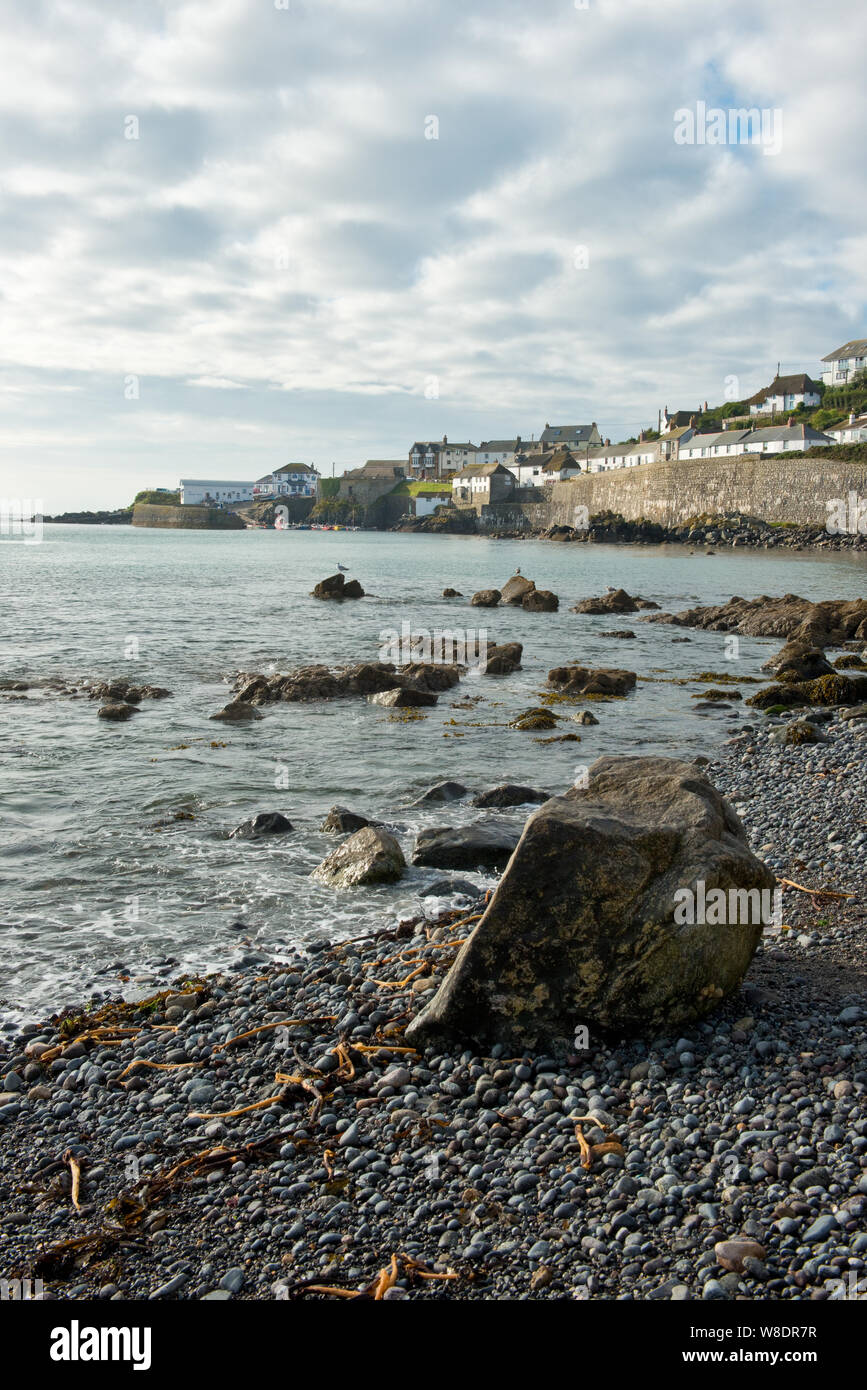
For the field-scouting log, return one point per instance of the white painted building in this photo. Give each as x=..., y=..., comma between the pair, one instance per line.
x=213, y=492
x=785, y=393
x=779, y=439
x=426, y=503
x=295, y=480
x=504, y=451
x=853, y=431
x=719, y=444
x=845, y=363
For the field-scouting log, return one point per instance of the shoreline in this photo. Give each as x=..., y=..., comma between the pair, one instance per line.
x=744, y=1128
x=711, y=535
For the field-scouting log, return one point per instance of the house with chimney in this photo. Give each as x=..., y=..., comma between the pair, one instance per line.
x=853, y=431
x=779, y=439
x=715, y=444
x=577, y=438
x=480, y=484
x=435, y=458
x=559, y=466
x=504, y=451
x=786, y=393
x=845, y=363
x=295, y=480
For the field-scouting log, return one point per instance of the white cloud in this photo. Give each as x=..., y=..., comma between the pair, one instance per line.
x=283, y=239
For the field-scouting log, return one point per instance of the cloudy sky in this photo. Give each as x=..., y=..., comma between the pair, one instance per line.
x=238, y=232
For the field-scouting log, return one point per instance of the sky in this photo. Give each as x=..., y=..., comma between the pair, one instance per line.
x=235, y=233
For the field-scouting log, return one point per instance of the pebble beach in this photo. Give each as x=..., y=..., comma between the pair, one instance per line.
x=267, y=1133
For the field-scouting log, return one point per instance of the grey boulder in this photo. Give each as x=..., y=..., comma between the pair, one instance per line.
x=584, y=926
x=368, y=856
x=485, y=844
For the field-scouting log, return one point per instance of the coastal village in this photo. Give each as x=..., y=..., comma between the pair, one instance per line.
x=793, y=413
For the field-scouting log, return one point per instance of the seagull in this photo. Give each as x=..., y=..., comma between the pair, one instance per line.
x=610, y=589
x=343, y=569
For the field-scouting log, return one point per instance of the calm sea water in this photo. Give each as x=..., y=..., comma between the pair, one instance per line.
x=92, y=890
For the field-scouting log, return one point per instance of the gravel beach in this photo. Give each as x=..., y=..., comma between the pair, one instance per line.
x=267, y=1134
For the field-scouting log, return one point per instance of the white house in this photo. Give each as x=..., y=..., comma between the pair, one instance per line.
x=778, y=439
x=845, y=363
x=504, y=451
x=612, y=456
x=213, y=492
x=426, y=503
x=295, y=480
x=559, y=466
x=714, y=445
x=854, y=431
x=785, y=393
x=482, y=483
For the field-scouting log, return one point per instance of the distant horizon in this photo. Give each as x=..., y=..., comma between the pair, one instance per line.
x=242, y=234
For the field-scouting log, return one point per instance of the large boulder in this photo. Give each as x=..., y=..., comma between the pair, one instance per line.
x=614, y=601
x=586, y=924
x=509, y=794
x=403, y=697
x=116, y=711
x=514, y=589
x=237, y=712
x=340, y=821
x=798, y=661
x=535, y=719
x=335, y=586
x=825, y=624
x=502, y=660
x=484, y=845
x=485, y=598
x=263, y=823
x=442, y=791
x=583, y=680
x=540, y=601
x=368, y=856
x=825, y=691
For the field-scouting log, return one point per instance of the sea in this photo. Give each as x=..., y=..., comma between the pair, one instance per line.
x=117, y=870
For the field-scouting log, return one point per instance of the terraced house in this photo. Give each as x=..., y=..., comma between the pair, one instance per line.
x=434, y=458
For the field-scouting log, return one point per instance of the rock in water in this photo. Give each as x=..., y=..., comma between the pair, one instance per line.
x=508, y=794
x=514, y=589
x=237, y=712
x=540, y=601
x=340, y=820
x=336, y=587
x=485, y=598
x=581, y=928
x=443, y=791
x=116, y=711
x=265, y=823
x=368, y=856
x=485, y=844
x=402, y=697
x=797, y=661
x=502, y=660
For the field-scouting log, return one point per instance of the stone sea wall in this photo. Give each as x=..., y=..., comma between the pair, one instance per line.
x=185, y=518
x=796, y=490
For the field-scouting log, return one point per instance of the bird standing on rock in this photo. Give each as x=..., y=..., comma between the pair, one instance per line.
x=342, y=568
